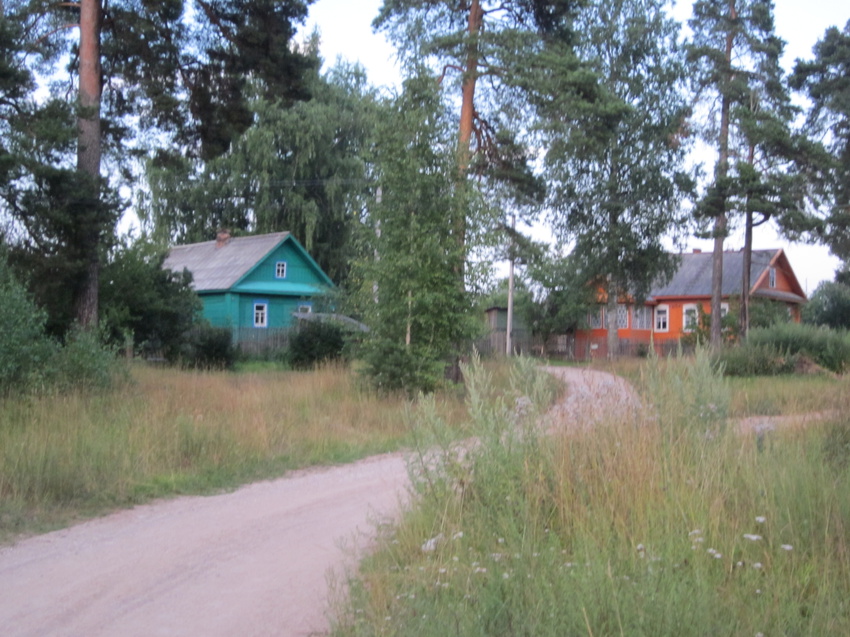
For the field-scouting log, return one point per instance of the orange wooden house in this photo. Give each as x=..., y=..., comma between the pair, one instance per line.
x=672, y=310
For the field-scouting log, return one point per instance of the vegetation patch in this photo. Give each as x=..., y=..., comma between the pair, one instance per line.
x=670, y=527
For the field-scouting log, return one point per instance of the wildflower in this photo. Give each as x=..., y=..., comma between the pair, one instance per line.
x=501, y=540
x=431, y=545
x=711, y=551
x=695, y=532
x=640, y=548
x=752, y=537
x=717, y=556
x=757, y=565
x=787, y=547
x=442, y=570
x=457, y=535
x=479, y=569
x=761, y=519
x=505, y=575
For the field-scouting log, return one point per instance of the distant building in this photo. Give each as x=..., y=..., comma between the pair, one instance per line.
x=251, y=284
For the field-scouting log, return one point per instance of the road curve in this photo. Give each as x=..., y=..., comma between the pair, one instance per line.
x=249, y=563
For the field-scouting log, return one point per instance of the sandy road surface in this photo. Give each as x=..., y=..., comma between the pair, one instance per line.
x=251, y=562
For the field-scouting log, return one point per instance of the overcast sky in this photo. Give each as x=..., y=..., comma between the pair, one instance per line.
x=345, y=29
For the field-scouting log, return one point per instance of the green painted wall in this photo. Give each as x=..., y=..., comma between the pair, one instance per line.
x=284, y=296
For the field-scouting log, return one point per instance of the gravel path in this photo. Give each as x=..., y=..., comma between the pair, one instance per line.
x=252, y=562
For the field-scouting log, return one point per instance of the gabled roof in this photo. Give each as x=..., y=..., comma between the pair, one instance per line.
x=693, y=278
x=221, y=265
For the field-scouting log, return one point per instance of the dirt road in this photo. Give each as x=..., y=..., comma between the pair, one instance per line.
x=251, y=562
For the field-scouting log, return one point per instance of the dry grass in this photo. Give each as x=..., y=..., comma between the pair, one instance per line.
x=170, y=432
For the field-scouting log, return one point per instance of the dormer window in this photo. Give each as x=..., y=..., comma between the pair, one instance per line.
x=280, y=270
x=772, y=277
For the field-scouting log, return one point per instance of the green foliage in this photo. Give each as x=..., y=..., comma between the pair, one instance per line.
x=825, y=81
x=85, y=363
x=748, y=359
x=25, y=350
x=828, y=348
x=649, y=530
x=299, y=168
x=208, y=347
x=412, y=293
x=619, y=194
x=316, y=342
x=829, y=306
x=155, y=309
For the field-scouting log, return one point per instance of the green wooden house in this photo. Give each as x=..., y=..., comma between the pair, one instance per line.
x=251, y=284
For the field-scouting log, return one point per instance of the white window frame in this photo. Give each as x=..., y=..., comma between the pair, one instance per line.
x=305, y=309
x=771, y=277
x=642, y=317
x=261, y=313
x=687, y=326
x=724, y=309
x=622, y=316
x=659, y=310
x=280, y=270
x=596, y=318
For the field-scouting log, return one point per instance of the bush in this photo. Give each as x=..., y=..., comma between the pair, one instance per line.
x=756, y=360
x=209, y=347
x=828, y=348
x=392, y=366
x=85, y=362
x=25, y=350
x=316, y=342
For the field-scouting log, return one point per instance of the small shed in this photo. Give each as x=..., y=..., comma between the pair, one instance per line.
x=251, y=284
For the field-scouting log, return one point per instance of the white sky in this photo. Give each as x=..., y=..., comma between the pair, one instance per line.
x=345, y=29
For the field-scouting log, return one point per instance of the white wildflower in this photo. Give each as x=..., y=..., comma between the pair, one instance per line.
x=752, y=537
x=431, y=545
x=695, y=532
x=761, y=519
x=505, y=575
x=787, y=547
x=457, y=535
x=757, y=565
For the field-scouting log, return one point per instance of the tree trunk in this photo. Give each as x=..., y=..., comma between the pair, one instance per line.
x=722, y=170
x=747, y=260
x=467, y=117
x=88, y=158
x=612, y=322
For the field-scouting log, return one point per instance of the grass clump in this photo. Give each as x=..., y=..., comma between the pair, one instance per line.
x=670, y=526
x=828, y=348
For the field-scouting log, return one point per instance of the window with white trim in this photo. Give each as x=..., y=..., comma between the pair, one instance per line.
x=596, y=318
x=724, y=309
x=622, y=316
x=305, y=309
x=690, y=317
x=771, y=277
x=261, y=314
x=280, y=270
x=662, y=318
x=642, y=317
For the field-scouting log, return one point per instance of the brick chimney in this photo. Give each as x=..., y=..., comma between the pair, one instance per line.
x=222, y=238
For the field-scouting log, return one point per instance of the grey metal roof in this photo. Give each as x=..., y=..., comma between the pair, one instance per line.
x=693, y=278
x=216, y=267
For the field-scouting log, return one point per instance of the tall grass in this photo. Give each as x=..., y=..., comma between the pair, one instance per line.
x=672, y=526
x=172, y=431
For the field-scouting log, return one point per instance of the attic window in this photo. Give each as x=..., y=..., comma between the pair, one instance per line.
x=280, y=270
x=772, y=277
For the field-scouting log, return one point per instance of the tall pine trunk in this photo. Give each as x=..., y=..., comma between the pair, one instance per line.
x=721, y=172
x=88, y=161
x=748, y=259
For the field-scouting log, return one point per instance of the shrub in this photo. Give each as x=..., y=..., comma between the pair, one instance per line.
x=392, y=366
x=316, y=342
x=756, y=360
x=828, y=348
x=24, y=348
x=85, y=362
x=209, y=347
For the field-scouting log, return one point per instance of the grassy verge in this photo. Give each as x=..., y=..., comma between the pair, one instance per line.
x=174, y=432
x=676, y=526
